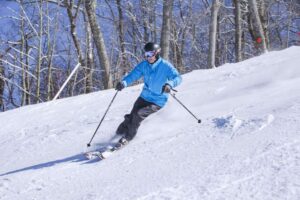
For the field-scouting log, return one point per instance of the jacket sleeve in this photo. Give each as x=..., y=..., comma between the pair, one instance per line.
x=174, y=78
x=134, y=75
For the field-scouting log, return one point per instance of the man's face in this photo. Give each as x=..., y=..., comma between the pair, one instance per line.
x=150, y=56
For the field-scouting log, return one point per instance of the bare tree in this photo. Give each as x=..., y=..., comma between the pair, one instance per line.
x=136, y=35
x=238, y=31
x=145, y=20
x=51, y=44
x=90, y=65
x=124, y=62
x=40, y=57
x=257, y=24
x=166, y=27
x=22, y=55
x=213, y=33
x=263, y=16
x=2, y=83
x=69, y=4
x=90, y=6
x=181, y=29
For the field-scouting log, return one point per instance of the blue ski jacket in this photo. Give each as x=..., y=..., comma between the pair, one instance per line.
x=155, y=76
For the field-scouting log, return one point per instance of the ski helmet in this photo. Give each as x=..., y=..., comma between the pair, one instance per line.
x=150, y=46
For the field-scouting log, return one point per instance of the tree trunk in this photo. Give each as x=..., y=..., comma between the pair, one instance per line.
x=153, y=22
x=90, y=6
x=134, y=31
x=39, y=59
x=166, y=27
x=23, y=66
x=213, y=34
x=145, y=19
x=220, y=44
x=27, y=78
x=177, y=46
x=289, y=24
x=89, y=58
x=263, y=15
x=2, y=84
x=238, y=31
x=257, y=23
x=51, y=49
x=72, y=20
x=123, y=63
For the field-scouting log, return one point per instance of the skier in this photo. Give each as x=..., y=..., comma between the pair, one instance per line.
x=160, y=77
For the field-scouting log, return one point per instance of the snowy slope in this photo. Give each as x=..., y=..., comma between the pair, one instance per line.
x=247, y=146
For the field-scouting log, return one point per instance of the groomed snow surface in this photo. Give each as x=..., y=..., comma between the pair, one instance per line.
x=247, y=146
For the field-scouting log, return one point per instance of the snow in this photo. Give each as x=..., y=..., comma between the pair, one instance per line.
x=247, y=146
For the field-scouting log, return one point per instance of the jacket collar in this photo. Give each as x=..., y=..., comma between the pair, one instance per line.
x=155, y=64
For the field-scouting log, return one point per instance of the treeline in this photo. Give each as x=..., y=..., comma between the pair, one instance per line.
x=43, y=40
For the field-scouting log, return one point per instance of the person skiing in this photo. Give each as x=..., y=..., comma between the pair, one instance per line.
x=160, y=77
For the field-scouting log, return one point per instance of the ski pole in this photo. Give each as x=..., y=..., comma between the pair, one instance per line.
x=89, y=144
x=173, y=95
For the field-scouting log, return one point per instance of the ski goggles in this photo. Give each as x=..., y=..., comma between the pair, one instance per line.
x=149, y=54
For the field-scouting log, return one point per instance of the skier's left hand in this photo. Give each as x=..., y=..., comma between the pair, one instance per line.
x=166, y=88
x=120, y=86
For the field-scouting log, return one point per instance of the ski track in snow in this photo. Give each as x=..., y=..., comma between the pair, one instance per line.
x=231, y=124
x=269, y=170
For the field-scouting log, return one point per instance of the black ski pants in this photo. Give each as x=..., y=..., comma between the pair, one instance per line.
x=132, y=121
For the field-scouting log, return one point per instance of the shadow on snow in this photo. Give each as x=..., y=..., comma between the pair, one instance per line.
x=75, y=158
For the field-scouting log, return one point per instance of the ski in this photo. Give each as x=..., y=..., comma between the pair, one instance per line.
x=98, y=154
x=103, y=154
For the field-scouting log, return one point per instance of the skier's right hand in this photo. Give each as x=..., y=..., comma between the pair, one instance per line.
x=166, y=88
x=120, y=86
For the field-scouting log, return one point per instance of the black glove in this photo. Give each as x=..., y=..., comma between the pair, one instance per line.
x=120, y=86
x=166, y=88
